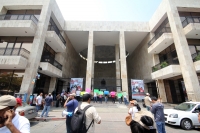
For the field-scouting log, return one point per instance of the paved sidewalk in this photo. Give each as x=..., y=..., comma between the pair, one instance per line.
x=112, y=115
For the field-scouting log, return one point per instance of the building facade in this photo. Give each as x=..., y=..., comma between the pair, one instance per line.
x=40, y=51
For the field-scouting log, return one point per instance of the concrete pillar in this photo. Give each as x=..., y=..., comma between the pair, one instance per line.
x=156, y=59
x=118, y=82
x=52, y=85
x=183, y=53
x=161, y=90
x=36, y=50
x=90, y=61
x=93, y=58
x=123, y=61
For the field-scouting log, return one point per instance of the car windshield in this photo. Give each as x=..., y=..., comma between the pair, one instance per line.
x=185, y=106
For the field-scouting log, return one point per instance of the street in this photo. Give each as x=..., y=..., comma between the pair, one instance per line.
x=112, y=115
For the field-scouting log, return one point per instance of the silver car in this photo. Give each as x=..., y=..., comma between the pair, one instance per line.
x=28, y=111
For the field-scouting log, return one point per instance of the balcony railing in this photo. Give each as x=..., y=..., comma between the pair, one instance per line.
x=51, y=61
x=189, y=20
x=164, y=30
x=164, y=64
x=14, y=52
x=19, y=17
x=52, y=28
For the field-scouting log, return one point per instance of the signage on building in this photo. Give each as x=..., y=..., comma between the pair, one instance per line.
x=76, y=84
x=137, y=87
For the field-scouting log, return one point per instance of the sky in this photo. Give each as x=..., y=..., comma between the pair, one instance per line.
x=108, y=10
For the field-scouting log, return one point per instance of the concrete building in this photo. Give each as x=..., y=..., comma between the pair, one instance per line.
x=35, y=40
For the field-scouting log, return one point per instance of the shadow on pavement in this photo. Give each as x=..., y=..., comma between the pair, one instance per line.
x=33, y=123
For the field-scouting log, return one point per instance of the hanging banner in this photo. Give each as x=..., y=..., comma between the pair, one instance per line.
x=76, y=84
x=137, y=87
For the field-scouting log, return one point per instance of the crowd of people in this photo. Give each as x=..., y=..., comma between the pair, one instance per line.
x=150, y=120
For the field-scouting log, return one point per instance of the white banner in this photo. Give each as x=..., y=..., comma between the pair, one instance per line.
x=137, y=87
x=76, y=84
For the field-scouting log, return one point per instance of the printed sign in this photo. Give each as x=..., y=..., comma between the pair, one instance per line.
x=137, y=87
x=76, y=84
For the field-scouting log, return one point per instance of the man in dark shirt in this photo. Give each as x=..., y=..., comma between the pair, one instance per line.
x=71, y=104
x=158, y=111
x=48, y=102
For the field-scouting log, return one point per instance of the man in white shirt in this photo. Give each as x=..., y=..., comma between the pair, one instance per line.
x=78, y=92
x=147, y=101
x=39, y=102
x=11, y=122
x=90, y=113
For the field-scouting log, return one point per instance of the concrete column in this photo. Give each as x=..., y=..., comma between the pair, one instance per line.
x=123, y=61
x=93, y=58
x=161, y=90
x=36, y=50
x=52, y=85
x=90, y=61
x=118, y=82
x=183, y=52
x=156, y=59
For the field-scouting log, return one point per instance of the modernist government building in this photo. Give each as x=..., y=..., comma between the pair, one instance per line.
x=40, y=51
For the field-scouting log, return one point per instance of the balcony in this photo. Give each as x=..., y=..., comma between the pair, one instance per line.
x=18, y=25
x=55, y=40
x=196, y=60
x=51, y=67
x=16, y=58
x=191, y=27
x=166, y=69
x=160, y=41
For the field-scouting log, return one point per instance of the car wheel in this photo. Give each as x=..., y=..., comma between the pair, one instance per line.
x=186, y=124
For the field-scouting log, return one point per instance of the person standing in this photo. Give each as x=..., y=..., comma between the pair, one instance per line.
x=95, y=97
x=78, y=93
x=119, y=97
x=134, y=107
x=58, y=98
x=125, y=98
x=91, y=113
x=48, y=102
x=39, y=102
x=147, y=101
x=71, y=104
x=158, y=111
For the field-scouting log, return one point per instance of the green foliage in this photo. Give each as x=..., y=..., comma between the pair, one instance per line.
x=154, y=69
x=163, y=64
x=197, y=57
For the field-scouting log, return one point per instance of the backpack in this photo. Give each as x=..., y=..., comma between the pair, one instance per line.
x=78, y=121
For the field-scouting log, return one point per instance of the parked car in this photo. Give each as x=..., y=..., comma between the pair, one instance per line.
x=28, y=111
x=184, y=115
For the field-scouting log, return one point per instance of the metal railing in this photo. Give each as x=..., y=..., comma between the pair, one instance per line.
x=51, y=61
x=15, y=52
x=189, y=20
x=19, y=17
x=164, y=64
x=53, y=28
x=163, y=30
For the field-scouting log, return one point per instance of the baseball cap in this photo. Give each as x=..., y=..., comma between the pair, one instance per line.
x=147, y=94
x=6, y=101
x=19, y=101
x=72, y=94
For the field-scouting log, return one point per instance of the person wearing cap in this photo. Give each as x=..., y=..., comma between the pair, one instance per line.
x=11, y=122
x=48, y=102
x=134, y=107
x=71, y=104
x=147, y=101
x=158, y=111
x=142, y=123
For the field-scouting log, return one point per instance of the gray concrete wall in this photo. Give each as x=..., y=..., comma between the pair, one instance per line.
x=139, y=63
x=69, y=60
